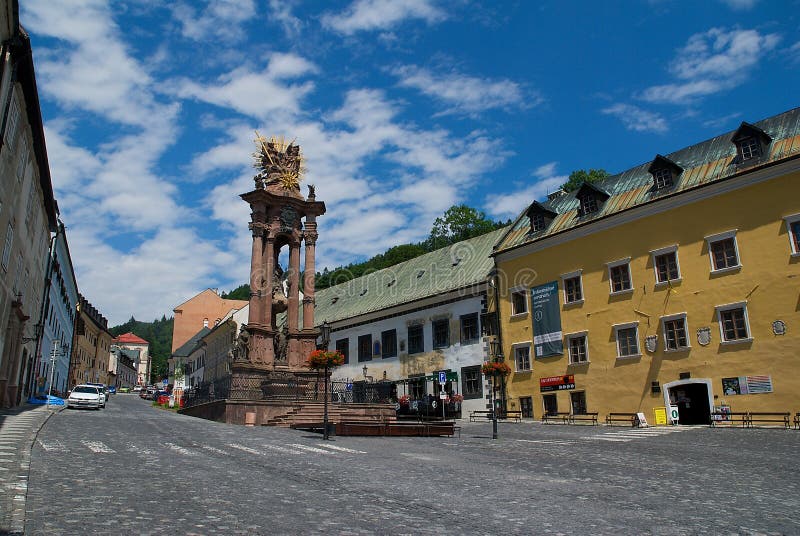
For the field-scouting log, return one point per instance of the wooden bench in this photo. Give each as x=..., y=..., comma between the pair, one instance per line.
x=768, y=417
x=590, y=417
x=729, y=417
x=629, y=418
x=558, y=416
x=515, y=416
x=479, y=413
x=797, y=421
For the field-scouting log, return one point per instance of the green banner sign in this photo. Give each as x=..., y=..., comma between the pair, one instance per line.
x=547, y=336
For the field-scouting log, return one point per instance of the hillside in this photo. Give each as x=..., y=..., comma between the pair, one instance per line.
x=158, y=333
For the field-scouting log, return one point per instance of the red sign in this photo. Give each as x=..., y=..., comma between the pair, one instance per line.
x=557, y=383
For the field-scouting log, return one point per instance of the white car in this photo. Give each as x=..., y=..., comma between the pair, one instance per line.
x=86, y=396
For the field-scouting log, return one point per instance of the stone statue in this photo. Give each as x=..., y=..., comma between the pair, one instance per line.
x=240, y=347
x=281, y=343
x=278, y=162
x=280, y=301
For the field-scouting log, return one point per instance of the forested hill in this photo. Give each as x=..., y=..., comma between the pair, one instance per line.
x=158, y=333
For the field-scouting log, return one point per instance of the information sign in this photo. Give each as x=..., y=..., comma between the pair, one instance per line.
x=443, y=377
x=660, y=416
x=674, y=415
x=557, y=383
x=642, y=420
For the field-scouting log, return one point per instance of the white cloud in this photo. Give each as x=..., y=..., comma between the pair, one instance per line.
x=510, y=205
x=281, y=11
x=711, y=62
x=740, y=5
x=220, y=18
x=244, y=90
x=367, y=15
x=466, y=94
x=636, y=119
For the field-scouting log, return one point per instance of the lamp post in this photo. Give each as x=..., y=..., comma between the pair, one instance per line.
x=56, y=352
x=497, y=355
x=325, y=335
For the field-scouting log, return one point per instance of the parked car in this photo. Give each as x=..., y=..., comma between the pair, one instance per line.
x=124, y=390
x=162, y=397
x=137, y=388
x=103, y=391
x=86, y=396
x=112, y=389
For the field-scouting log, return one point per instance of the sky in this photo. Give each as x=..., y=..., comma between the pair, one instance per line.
x=403, y=108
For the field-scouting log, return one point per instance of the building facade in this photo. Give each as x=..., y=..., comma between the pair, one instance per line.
x=131, y=341
x=58, y=319
x=91, y=346
x=203, y=310
x=671, y=284
x=123, y=366
x=215, y=361
x=406, y=324
x=27, y=210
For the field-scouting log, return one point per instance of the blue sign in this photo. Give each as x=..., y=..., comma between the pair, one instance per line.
x=165, y=382
x=547, y=336
x=442, y=377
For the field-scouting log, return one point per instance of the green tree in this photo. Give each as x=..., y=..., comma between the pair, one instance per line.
x=459, y=222
x=577, y=178
x=242, y=292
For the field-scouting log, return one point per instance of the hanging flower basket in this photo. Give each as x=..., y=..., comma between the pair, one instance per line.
x=457, y=398
x=494, y=368
x=320, y=359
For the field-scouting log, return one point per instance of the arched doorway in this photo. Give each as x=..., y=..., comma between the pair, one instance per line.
x=694, y=398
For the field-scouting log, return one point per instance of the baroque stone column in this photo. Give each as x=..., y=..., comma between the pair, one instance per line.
x=256, y=270
x=310, y=237
x=293, y=311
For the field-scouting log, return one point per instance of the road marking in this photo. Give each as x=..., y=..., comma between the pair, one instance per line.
x=98, y=447
x=214, y=449
x=310, y=449
x=549, y=441
x=179, y=449
x=53, y=446
x=340, y=449
x=244, y=449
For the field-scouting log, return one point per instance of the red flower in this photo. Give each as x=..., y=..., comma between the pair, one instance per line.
x=495, y=368
x=320, y=359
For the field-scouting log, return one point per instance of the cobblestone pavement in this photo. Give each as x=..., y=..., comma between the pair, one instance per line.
x=133, y=469
x=18, y=429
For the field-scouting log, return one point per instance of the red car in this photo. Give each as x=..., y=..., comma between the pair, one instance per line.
x=162, y=397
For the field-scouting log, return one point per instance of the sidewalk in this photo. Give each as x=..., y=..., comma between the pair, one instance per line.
x=18, y=430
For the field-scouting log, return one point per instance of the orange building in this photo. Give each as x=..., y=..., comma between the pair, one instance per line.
x=203, y=310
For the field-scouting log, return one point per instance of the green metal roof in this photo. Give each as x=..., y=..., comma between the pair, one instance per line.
x=457, y=266
x=704, y=163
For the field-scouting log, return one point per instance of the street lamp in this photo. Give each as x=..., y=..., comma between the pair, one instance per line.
x=496, y=352
x=325, y=335
x=364, y=370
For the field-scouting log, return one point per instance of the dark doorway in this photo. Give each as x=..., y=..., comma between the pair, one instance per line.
x=550, y=404
x=526, y=406
x=692, y=402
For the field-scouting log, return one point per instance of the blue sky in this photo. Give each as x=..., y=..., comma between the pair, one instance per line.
x=403, y=108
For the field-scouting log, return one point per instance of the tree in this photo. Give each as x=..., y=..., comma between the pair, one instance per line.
x=459, y=222
x=577, y=178
x=242, y=292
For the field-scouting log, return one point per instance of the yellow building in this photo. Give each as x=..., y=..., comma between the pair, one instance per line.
x=91, y=347
x=677, y=284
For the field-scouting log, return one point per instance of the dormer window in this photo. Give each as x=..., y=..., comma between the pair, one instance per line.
x=752, y=144
x=664, y=172
x=588, y=204
x=590, y=197
x=540, y=217
x=663, y=178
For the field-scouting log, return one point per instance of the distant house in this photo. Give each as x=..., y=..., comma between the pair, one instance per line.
x=204, y=310
x=131, y=341
x=91, y=346
x=123, y=366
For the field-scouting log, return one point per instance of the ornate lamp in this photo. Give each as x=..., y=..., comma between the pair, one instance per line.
x=325, y=334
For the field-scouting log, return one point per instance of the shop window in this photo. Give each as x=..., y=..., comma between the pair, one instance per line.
x=578, y=348
x=519, y=302
x=471, y=386
x=665, y=264
x=734, y=325
x=723, y=252
x=522, y=357
x=674, y=328
x=416, y=388
x=578, y=401
x=441, y=333
x=573, y=288
x=470, y=329
x=627, y=337
x=415, y=340
x=526, y=407
x=550, y=404
x=389, y=343
x=619, y=276
x=364, y=348
x=343, y=347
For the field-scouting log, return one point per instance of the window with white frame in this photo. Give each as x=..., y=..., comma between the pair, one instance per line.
x=723, y=251
x=522, y=356
x=619, y=275
x=13, y=122
x=662, y=177
x=537, y=222
x=793, y=228
x=578, y=347
x=573, y=287
x=627, y=337
x=734, y=325
x=588, y=204
x=7, y=246
x=674, y=329
x=519, y=302
x=22, y=158
x=749, y=148
x=665, y=264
